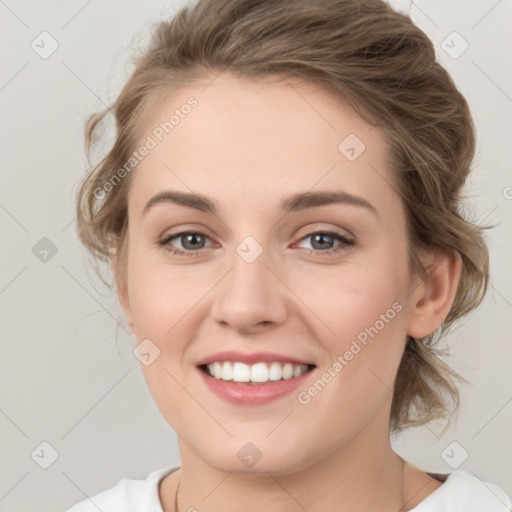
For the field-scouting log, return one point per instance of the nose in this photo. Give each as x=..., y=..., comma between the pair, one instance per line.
x=250, y=298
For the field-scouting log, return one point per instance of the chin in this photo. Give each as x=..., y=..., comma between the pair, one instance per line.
x=256, y=458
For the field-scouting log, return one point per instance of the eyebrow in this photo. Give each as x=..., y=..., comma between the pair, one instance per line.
x=296, y=202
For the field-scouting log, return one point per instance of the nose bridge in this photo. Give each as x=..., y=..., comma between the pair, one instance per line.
x=250, y=294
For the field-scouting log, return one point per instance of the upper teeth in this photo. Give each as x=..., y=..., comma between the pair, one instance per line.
x=259, y=372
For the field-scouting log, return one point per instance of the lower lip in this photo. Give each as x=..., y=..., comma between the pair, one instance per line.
x=241, y=393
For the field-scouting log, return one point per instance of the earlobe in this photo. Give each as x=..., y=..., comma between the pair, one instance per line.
x=434, y=296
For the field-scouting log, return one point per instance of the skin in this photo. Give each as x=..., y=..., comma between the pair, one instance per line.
x=247, y=145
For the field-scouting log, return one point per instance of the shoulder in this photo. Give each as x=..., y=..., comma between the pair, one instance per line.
x=128, y=495
x=464, y=492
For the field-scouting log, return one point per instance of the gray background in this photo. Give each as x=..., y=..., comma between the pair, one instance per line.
x=68, y=376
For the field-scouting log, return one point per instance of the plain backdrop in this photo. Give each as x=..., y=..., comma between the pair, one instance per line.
x=72, y=395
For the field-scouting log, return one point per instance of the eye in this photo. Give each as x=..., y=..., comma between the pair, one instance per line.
x=191, y=242
x=322, y=242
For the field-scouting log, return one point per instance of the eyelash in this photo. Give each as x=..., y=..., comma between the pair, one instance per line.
x=344, y=245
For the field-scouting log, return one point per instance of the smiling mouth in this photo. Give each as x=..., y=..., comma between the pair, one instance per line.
x=258, y=373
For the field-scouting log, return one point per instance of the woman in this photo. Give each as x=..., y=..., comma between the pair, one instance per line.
x=281, y=210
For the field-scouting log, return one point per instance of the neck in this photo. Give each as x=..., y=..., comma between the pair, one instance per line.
x=357, y=476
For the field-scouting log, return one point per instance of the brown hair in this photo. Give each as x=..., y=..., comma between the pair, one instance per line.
x=364, y=52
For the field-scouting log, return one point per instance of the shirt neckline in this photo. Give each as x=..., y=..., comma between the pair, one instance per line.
x=160, y=474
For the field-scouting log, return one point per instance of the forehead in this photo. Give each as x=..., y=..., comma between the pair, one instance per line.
x=261, y=138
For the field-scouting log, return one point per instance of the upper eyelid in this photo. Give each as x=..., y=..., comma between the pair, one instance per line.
x=182, y=232
x=333, y=224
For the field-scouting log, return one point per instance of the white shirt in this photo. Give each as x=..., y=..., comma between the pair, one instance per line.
x=460, y=492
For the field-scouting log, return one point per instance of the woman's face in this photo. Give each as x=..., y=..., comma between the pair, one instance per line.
x=278, y=278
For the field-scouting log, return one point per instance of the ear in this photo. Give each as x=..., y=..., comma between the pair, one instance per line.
x=121, y=286
x=433, y=296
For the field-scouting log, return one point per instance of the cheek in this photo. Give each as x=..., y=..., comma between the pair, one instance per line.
x=336, y=302
x=160, y=295
x=362, y=329
x=347, y=299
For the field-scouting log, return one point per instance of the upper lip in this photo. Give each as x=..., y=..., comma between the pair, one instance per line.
x=252, y=358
